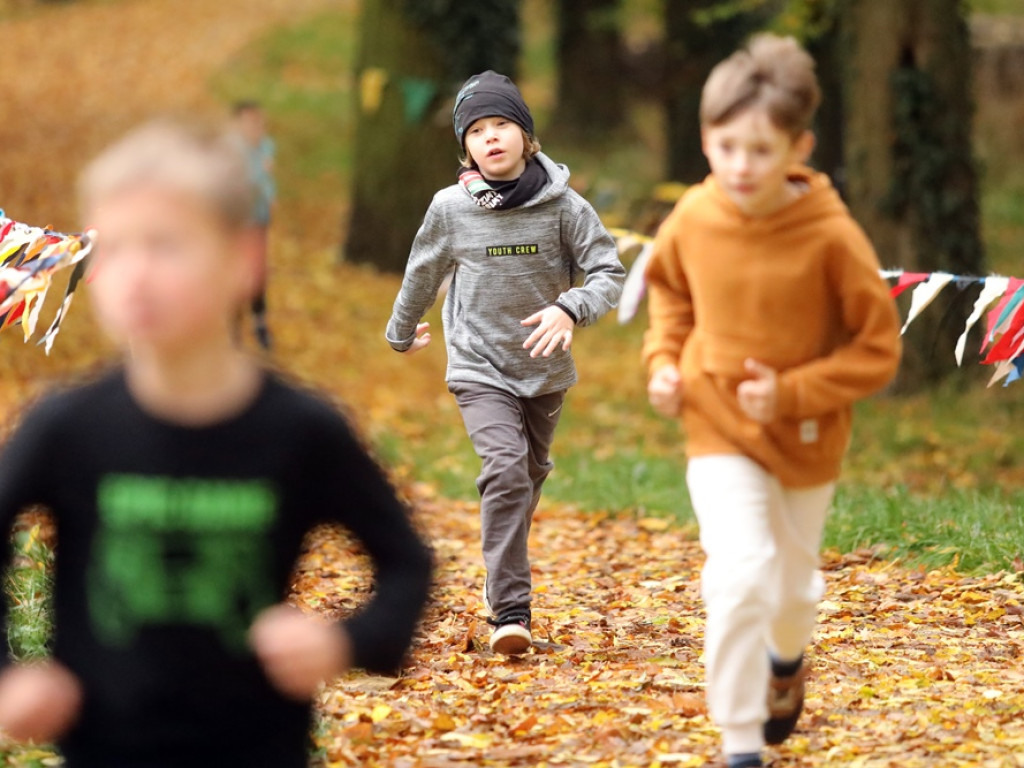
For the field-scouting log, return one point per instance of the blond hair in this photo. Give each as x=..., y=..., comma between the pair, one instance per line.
x=530, y=149
x=771, y=72
x=201, y=159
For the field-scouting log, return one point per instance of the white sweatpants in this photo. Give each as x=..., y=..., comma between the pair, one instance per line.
x=760, y=584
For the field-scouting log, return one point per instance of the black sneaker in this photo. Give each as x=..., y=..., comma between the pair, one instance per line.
x=785, y=703
x=511, y=634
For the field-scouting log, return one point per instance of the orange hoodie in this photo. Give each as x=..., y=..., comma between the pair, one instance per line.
x=798, y=290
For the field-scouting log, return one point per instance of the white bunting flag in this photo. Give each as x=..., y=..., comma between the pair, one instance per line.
x=995, y=287
x=924, y=294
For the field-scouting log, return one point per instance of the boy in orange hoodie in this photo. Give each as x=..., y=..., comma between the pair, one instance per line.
x=768, y=319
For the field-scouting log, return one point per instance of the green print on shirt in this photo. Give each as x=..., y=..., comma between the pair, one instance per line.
x=180, y=551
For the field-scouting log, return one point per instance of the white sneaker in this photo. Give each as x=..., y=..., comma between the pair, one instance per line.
x=511, y=635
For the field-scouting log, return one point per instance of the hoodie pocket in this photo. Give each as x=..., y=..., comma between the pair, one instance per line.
x=820, y=439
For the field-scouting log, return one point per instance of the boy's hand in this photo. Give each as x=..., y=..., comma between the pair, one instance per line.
x=298, y=652
x=554, y=327
x=758, y=396
x=422, y=339
x=38, y=703
x=665, y=391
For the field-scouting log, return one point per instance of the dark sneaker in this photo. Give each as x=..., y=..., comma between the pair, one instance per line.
x=744, y=761
x=785, y=703
x=511, y=635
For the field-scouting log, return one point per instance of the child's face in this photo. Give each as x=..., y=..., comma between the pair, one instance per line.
x=750, y=158
x=169, y=273
x=496, y=145
x=252, y=125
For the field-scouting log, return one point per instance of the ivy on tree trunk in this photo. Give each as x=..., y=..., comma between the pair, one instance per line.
x=413, y=54
x=911, y=176
x=697, y=36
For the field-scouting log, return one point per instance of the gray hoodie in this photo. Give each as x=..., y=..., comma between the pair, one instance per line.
x=508, y=264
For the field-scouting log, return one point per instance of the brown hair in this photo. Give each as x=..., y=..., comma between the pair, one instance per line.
x=198, y=158
x=530, y=148
x=246, y=105
x=771, y=72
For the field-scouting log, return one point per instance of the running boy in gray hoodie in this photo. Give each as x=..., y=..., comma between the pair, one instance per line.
x=517, y=239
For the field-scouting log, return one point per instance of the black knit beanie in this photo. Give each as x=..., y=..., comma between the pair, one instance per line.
x=489, y=95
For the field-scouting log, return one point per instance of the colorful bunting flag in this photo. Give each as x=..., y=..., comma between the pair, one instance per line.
x=372, y=82
x=1003, y=345
x=30, y=257
x=1000, y=316
x=905, y=280
x=417, y=96
x=923, y=295
x=633, y=291
x=993, y=288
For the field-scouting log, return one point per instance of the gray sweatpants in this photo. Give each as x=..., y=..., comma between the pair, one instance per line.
x=512, y=436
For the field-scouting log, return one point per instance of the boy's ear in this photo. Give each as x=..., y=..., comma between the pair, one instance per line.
x=804, y=146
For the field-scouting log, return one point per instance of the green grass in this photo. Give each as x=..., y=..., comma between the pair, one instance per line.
x=978, y=530
x=29, y=590
x=975, y=531
x=593, y=478
x=907, y=491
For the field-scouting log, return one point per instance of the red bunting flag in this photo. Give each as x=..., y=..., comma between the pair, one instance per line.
x=906, y=280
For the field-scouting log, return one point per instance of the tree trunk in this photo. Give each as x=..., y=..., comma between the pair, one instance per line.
x=398, y=161
x=911, y=179
x=591, y=72
x=412, y=58
x=829, y=125
x=693, y=46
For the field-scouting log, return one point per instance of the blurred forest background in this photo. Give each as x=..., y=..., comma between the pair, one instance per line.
x=921, y=129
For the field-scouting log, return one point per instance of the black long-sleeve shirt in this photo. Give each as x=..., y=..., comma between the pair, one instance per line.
x=172, y=539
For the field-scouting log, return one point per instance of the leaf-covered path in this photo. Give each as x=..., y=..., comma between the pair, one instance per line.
x=77, y=75
x=909, y=668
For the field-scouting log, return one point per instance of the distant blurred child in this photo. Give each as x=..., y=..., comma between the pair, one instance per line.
x=517, y=237
x=251, y=125
x=182, y=484
x=768, y=320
